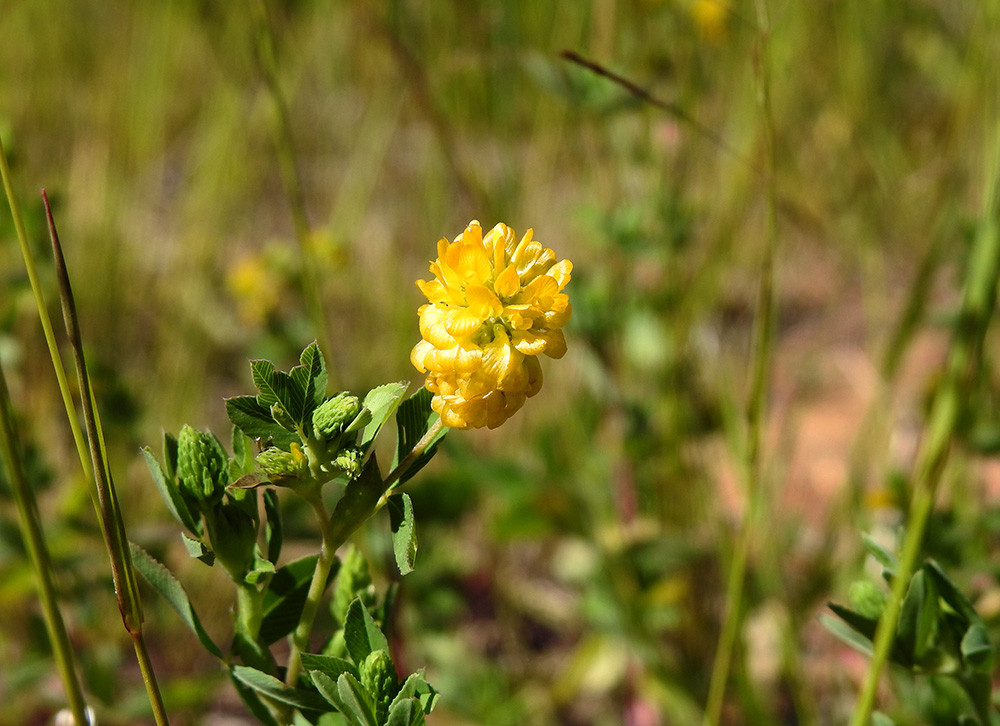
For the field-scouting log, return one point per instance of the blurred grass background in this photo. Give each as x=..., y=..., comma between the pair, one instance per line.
x=571, y=563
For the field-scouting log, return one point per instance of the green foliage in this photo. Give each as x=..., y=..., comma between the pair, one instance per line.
x=939, y=632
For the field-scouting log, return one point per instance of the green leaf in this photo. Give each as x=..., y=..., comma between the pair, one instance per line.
x=977, y=650
x=348, y=696
x=253, y=703
x=285, y=597
x=277, y=387
x=358, y=501
x=404, y=535
x=883, y=556
x=198, y=549
x=256, y=421
x=381, y=401
x=311, y=376
x=273, y=529
x=242, y=462
x=356, y=700
x=413, y=419
x=846, y=633
x=261, y=568
x=361, y=633
x=163, y=581
x=416, y=687
x=407, y=712
x=918, y=616
x=170, y=455
x=273, y=688
x=328, y=665
x=171, y=493
x=951, y=594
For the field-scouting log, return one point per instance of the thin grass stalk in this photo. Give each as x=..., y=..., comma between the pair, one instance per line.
x=46, y=321
x=291, y=178
x=763, y=338
x=38, y=552
x=964, y=358
x=126, y=586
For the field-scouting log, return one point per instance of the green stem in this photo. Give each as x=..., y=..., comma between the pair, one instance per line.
x=759, y=387
x=324, y=564
x=34, y=540
x=335, y=534
x=964, y=357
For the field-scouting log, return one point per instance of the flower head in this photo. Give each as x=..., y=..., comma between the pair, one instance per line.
x=495, y=303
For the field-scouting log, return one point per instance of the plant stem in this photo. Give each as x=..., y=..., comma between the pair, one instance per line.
x=759, y=387
x=964, y=358
x=327, y=556
x=34, y=541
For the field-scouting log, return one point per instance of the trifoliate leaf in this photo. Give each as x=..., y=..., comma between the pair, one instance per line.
x=167, y=585
x=415, y=686
x=407, y=712
x=285, y=597
x=404, y=534
x=883, y=556
x=255, y=421
x=328, y=665
x=273, y=529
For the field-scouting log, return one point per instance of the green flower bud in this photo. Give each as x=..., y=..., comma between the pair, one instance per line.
x=202, y=466
x=867, y=599
x=349, y=461
x=378, y=677
x=281, y=417
x=335, y=415
x=280, y=464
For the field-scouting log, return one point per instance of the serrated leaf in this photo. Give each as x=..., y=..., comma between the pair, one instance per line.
x=285, y=597
x=256, y=421
x=198, y=549
x=277, y=387
x=171, y=493
x=404, y=534
x=361, y=634
x=273, y=529
x=977, y=650
x=311, y=376
x=407, y=712
x=413, y=419
x=275, y=689
x=164, y=582
x=328, y=665
x=883, y=556
x=381, y=401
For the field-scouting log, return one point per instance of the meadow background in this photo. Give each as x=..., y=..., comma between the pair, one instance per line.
x=572, y=563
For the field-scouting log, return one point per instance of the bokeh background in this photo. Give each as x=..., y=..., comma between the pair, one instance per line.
x=571, y=563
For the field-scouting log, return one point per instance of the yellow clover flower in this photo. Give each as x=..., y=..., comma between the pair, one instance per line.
x=495, y=304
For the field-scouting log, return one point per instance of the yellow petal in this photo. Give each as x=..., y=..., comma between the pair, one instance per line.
x=483, y=302
x=508, y=282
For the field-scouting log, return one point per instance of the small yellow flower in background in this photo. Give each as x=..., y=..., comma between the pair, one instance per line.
x=496, y=303
x=710, y=17
x=253, y=283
